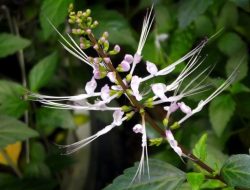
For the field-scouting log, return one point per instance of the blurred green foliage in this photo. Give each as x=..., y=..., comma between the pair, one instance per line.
x=26, y=35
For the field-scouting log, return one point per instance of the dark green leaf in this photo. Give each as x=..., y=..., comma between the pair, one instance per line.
x=8, y=182
x=37, y=152
x=37, y=170
x=204, y=26
x=11, y=102
x=238, y=59
x=236, y=171
x=162, y=176
x=42, y=72
x=12, y=130
x=230, y=43
x=239, y=88
x=117, y=26
x=200, y=149
x=228, y=16
x=190, y=10
x=244, y=4
x=11, y=44
x=221, y=110
x=55, y=11
x=49, y=119
x=195, y=180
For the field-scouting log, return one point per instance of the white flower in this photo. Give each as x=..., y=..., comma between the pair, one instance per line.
x=151, y=68
x=135, y=83
x=91, y=86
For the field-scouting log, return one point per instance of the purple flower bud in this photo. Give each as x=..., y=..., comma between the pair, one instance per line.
x=88, y=31
x=82, y=46
x=96, y=60
x=117, y=48
x=111, y=76
x=125, y=66
x=96, y=47
x=105, y=34
x=107, y=60
x=129, y=58
x=102, y=39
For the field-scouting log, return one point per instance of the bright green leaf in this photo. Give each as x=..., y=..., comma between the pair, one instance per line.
x=11, y=44
x=189, y=10
x=236, y=171
x=200, y=149
x=221, y=110
x=55, y=11
x=212, y=184
x=49, y=119
x=162, y=176
x=12, y=130
x=11, y=102
x=231, y=43
x=42, y=72
x=195, y=180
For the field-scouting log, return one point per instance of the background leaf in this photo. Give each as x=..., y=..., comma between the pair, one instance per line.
x=221, y=110
x=162, y=176
x=195, y=180
x=236, y=171
x=11, y=44
x=11, y=102
x=190, y=10
x=200, y=149
x=55, y=11
x=42, y=72
x=12, y=130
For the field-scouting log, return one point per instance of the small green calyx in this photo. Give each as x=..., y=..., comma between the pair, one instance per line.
x=128, y=77
x=149, y=103
x=175, y=125
x=165, y=122
x=155, y=141
x=130, y=115
x=126, y=108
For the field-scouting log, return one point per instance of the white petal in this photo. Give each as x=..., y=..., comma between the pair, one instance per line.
x=91, y=86
x=117, y=116
x=151, y=68
x=184, y=108
x=135, y=83
x=105, y=92
x=138, y=128
x=159, y=90
x=111, y=76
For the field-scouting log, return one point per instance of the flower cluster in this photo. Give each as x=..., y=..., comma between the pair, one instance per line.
x=129, y=86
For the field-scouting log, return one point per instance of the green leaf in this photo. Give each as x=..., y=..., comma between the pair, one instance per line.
x=204, y=26
x=230, y=43
x=55, y=11
x=239, y=88
x=240, y=59
x=11, y=102
x=12, y=130
x=236, y=171
x=221, y=110
x=37, y=170
x=189, y=10
x=117, y=26
x=49, y=119
x=162, y=176
x=212, y=184
x=200, y=149
x=228, y=16
x=11, y=44
x=13, y=183
x=195, y=180
x=37, y=152
x=244, y=4
x=42, y=72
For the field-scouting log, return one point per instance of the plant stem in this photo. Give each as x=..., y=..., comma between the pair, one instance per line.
x=148, y=118
x=24, y=82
